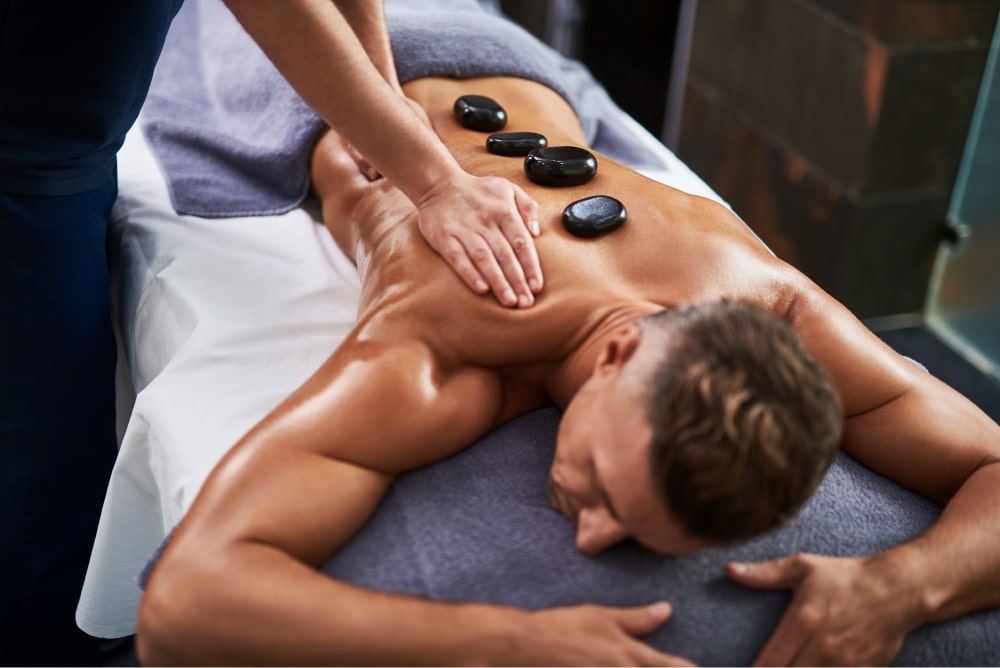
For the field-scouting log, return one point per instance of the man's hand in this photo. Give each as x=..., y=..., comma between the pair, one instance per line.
x=841, y=612
x=590, y=635
x=484, y=227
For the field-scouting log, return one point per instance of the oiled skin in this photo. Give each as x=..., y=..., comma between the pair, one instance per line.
x=431, y=366
x=675, y=248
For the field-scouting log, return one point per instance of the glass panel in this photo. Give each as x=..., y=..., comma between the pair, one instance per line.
x=964, y=304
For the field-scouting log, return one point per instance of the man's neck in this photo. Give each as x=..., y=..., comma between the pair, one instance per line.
x=580, y=364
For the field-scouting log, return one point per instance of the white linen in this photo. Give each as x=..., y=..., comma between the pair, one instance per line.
x=221, y=319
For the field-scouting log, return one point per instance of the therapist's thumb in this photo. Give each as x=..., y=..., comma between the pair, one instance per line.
x=642, y=620
x=527, y=207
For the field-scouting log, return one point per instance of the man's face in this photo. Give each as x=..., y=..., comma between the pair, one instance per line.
x=601, y=478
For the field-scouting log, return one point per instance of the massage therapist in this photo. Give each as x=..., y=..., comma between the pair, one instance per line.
x=73, y=76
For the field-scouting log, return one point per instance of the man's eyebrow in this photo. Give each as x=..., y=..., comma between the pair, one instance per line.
x=603, y=494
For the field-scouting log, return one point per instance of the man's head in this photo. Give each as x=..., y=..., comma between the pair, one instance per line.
x=701, y=425
x=744, y=423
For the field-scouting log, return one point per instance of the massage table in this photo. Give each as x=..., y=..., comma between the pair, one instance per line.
x=221, y=316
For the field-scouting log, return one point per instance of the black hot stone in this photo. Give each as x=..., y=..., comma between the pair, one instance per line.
x=593, y=216
x=515, y=143
x=478, y=112
x=560, y=165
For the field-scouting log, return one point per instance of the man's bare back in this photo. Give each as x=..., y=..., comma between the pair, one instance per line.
x=675, y=248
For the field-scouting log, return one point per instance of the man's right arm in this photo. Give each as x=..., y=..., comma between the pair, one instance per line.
x=239, y=581
x=251, y=602
x=910, y=427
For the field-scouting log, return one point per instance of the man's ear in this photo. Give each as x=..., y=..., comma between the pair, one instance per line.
x=619, y=348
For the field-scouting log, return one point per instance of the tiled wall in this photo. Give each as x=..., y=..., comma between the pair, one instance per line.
x=835, y=128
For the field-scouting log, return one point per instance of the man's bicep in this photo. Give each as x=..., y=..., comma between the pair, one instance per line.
x=395, y=407
x=864, y=370
x=931, y=439
x=301, y=503
x=310, y=474
x=899, y=420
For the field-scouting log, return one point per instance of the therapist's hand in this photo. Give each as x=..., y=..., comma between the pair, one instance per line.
x=484, y=227
x=843, y=612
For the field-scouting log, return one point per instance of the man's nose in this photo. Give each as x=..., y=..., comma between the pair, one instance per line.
x=596, y=530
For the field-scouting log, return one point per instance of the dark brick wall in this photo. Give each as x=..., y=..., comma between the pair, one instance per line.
x=836, y=127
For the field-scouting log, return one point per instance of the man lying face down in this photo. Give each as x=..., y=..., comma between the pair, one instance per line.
x=715, y=427
x=692, y=417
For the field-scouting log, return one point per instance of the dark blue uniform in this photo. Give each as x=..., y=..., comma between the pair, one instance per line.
x=73, y=76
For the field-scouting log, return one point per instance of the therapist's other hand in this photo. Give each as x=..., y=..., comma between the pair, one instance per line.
x=843, y=612
x=484, y=227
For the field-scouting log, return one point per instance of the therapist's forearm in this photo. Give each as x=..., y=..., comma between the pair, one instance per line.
x=367, y=20
x=314, y=47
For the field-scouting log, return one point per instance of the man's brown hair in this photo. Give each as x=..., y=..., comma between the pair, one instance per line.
x=745, y=423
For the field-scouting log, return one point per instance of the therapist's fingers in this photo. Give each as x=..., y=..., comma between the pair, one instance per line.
x=524, y=245
x=474, y=263
x=497, y=263
x=528, y=208
x=481, y=214
x=502, y=265
x=487, y=263
x=501, y=221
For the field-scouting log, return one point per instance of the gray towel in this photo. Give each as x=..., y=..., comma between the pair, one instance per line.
x=233, y=138
x=477, y=527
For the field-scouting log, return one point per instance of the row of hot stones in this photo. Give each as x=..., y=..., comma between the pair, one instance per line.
x=557, y=166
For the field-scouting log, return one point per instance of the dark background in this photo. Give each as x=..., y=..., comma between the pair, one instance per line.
x=835, y=128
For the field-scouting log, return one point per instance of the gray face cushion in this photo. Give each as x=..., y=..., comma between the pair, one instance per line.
x=477, y=527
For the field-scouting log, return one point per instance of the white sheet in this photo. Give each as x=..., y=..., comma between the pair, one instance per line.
x=221, y=319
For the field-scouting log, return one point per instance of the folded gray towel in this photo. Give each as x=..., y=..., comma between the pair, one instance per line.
x=233, y=138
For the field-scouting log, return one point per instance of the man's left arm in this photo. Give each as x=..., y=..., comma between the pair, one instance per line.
x=910, y=427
